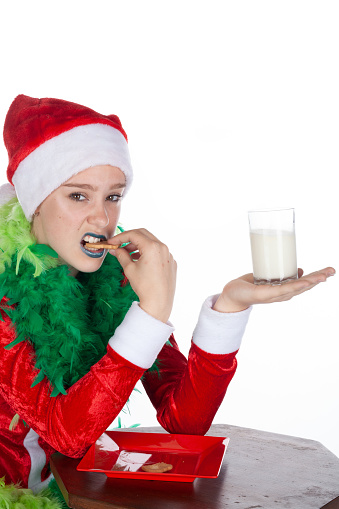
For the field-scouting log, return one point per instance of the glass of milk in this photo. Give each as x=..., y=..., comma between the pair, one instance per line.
x=273, y=245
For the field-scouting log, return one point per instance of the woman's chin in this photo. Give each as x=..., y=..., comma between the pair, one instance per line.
x=83, y=263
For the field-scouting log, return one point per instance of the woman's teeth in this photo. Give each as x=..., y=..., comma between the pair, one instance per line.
x=92, y=251
x=92, y=240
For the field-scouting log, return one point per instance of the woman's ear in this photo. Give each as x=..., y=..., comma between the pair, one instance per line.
x=33, y=222
x=37, y=212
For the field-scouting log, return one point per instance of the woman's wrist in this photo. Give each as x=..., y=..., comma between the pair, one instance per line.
x=161, y=314
x=226, y=305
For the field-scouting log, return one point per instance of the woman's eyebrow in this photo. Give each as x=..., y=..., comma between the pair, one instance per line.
x=93, y=188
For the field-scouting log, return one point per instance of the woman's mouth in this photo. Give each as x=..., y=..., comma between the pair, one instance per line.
x=93, y=239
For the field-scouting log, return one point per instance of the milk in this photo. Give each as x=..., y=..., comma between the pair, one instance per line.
x=274, y=255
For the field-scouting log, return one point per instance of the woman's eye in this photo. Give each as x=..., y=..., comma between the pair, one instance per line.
x=114, y=197
x=77, y=196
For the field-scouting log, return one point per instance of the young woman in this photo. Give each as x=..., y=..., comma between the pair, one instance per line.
x=81, y=325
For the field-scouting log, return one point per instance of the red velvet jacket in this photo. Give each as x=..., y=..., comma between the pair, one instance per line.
x=185, y=393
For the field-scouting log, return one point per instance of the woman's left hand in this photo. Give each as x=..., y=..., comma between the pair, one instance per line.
x=241, y=293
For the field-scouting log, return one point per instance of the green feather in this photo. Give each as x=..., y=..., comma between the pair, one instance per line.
x=15, y=342
x=58, y=387
x=2, y=292
x=12, y=301
x=17, y=239
x=14, y=422
x=53, y=489
x=44, y=249
x=38, y=378
x=14, y=497
x=35, y=321
x=18, y=260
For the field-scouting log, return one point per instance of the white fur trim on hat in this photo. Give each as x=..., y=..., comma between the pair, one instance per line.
x=58, y=159
x=7, y=192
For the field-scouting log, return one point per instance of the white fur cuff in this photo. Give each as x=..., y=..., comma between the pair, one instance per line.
x=219, y=333
x=140, y=337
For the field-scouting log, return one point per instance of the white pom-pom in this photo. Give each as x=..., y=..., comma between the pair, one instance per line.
x=7, y=192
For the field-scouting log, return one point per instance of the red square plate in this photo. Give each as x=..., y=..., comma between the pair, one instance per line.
x=122, y=454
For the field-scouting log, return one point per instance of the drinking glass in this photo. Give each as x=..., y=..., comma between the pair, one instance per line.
x=273, y=245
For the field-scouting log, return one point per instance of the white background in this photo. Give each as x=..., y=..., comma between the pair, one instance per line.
x=228, y=106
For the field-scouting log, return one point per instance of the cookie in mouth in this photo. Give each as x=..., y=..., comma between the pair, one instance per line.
x=92, y=238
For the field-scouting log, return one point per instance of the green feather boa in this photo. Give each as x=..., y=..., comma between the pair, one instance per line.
x=68, y=320
x=14, y=497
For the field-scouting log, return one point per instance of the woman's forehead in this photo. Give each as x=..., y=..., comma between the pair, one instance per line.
x=98, y=175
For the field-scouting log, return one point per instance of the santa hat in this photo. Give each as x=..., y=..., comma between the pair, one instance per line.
x=50, y=140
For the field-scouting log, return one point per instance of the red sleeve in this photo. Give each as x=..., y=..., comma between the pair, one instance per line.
x=187, y=394
x=69, y=423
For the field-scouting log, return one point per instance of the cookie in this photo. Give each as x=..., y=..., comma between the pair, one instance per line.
x=101, y=245
x=157, y=468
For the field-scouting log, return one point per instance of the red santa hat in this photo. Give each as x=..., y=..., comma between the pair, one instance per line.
x=50, y=140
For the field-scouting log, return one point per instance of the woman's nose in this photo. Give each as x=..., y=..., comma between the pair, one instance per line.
x=98, y=216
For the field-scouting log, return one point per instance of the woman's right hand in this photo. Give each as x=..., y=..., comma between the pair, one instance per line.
x=241, y=293
x=151, y=271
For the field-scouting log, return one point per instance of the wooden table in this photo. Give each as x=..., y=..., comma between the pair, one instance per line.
x=260, y=470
